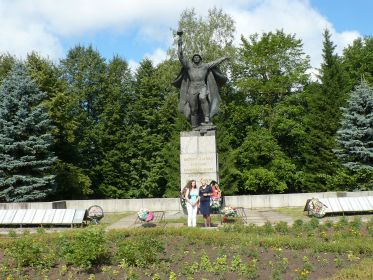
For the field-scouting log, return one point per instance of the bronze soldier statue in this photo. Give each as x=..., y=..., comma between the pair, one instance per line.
x=199, y=85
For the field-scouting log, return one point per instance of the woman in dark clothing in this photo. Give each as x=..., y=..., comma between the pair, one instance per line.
x=205, y=191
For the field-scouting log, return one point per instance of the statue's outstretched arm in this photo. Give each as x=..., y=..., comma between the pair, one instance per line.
x=215, y=63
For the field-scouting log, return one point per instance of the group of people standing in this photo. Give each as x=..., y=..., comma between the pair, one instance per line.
x=199, y=198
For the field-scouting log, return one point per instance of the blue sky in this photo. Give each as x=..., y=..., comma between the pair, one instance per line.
x=141, y=28
x=347, y=14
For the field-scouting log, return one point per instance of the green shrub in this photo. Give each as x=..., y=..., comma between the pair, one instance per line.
x=267, y=228
x=298, y=223
x=84, y=248
x=314, y=222
x=356, y=223
x=27, y=251
x=341, y=224
x=12, y=233
x=140, y=251
x=370, y=227
x=282, y=227
x=329, y=223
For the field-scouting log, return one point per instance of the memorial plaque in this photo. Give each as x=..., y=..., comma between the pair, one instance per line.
x=58, y=216
x=370, y=201
x=2, y=215
x=364, y=203
x=9, y=215
x=48, y=216
x=29, y=216
x=38, y=217
x=18, y=218
x=354, y=204
x=79, y=216
x=69, y=216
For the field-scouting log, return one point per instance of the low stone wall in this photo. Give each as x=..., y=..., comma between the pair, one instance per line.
x=173, y=204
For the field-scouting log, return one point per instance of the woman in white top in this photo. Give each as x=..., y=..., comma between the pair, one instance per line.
x=192, y=199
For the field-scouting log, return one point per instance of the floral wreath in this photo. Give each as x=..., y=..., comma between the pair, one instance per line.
x=229, y=212
x=145, y=215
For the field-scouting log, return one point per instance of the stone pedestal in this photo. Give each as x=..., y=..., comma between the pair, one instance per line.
x=198, y=156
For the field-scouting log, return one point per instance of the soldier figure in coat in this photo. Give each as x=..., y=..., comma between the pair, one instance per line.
x=199, y=85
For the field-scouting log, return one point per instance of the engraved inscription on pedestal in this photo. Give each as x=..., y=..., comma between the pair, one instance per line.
x=198, y=157
x=198, y=163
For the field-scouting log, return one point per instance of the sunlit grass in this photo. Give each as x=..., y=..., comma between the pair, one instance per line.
x=112, y=218
x=293, y=212
x=361, y=271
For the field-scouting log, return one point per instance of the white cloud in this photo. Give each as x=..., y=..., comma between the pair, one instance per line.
x=133, y=65
x=157, y=56
x=294, y=17
x=19, y=37
x=43, y=25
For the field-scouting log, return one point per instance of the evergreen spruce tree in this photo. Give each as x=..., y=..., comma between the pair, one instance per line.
x=322, y=120
x=356, y=133
x=25, y=140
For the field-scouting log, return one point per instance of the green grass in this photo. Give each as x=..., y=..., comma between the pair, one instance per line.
x=361, y=271
x=112, y=218
x=294, y=212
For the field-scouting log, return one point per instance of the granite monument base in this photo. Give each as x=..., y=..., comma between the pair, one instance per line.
x=198, y=156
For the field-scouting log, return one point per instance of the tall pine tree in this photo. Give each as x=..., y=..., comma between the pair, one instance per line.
x=25, y=140
x=322, y=119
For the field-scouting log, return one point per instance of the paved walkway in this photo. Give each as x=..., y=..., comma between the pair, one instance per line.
x=178, y=219
x=254, y=216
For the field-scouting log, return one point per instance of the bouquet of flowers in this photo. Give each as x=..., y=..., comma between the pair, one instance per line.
x=145, y=215
x=229, y=212
x=183, y=202
x=215, y=203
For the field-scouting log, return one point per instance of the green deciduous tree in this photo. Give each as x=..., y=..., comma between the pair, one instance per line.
x=85, y=73
x=357, y=60
x=260, y=123
x=270, y=67
x=211, y=37
x=25, y=140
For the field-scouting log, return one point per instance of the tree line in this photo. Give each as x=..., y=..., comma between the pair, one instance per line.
x=87, y=127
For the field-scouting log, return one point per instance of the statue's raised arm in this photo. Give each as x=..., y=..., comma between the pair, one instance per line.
x=180, y=53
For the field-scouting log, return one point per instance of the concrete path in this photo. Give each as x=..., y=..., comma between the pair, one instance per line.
x=261, y=216
x=254, y=216
x=257, y=216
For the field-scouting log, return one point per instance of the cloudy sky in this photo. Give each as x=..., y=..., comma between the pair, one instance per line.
x=135, y=29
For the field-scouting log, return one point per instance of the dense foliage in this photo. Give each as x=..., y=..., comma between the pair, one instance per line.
x=116, y=134
x=25, y=140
